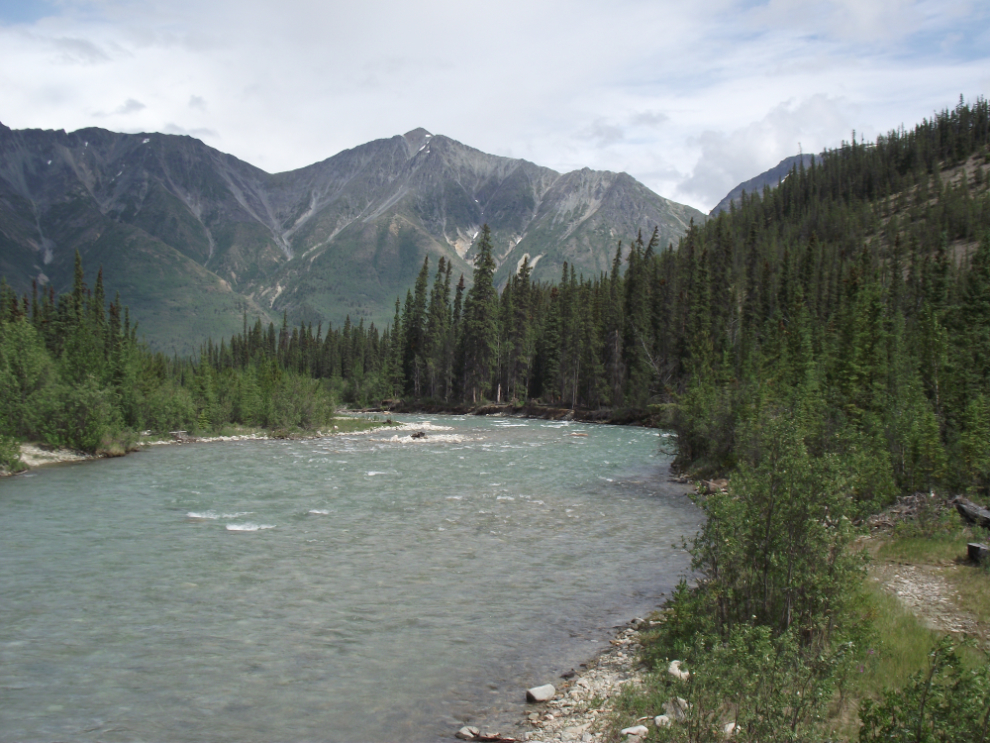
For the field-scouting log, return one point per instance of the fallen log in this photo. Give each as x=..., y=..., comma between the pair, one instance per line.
x=973, y=513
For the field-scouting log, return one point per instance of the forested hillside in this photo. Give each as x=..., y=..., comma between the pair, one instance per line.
x=856, y=295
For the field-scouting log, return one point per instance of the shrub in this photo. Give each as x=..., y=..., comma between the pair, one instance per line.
x=944, y=703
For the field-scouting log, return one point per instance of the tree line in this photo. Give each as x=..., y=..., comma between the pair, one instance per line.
x=74, y=373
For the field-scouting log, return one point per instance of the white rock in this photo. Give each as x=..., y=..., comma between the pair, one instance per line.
x=675, y=708
x=674, y=669
x=540, y=693
x=729, y=728
x=468, y=733
x=635, y=730
x=662, y=721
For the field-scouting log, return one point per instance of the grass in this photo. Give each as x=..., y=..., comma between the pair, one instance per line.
x=899, y=648
x=973, y=585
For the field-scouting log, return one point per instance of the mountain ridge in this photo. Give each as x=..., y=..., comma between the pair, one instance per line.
x=342, y=236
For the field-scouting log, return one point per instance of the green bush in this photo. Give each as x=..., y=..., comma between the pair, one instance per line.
x=10, y=454
x=946, y=703
x=84, y=417
x=297, y=402
x=769, y=632
x=773, y=687
x=167, y=407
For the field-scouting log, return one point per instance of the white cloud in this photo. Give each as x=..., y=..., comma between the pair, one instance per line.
x=603, y=134
x=198, y=133
x=130, y=106
x=728, y=158
x=684, y=96
x=78, y=51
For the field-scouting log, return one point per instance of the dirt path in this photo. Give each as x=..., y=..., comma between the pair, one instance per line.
x=926, y=592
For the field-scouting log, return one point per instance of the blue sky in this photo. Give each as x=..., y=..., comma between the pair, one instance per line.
x=690, y=98
x=24, y=11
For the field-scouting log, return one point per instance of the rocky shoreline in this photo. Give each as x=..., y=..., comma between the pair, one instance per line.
x=581, y=702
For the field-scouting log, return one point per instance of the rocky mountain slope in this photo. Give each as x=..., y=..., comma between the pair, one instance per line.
x=193, y=238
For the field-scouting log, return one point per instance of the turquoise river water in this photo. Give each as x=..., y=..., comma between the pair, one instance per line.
x=358, y=587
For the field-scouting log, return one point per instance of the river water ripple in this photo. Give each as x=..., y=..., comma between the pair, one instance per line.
x=361, y=587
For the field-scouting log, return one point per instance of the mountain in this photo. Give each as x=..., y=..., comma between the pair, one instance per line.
x=193, y=238
x=771, y=178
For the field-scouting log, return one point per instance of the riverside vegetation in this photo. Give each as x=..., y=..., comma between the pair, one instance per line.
x=825, y=343
x=73, y=374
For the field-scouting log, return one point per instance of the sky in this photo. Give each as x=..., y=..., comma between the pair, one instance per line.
x=691, y=98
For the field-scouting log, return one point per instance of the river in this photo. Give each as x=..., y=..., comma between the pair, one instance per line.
x=358, y=587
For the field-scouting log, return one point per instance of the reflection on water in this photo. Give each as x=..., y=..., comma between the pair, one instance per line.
x=365, y=587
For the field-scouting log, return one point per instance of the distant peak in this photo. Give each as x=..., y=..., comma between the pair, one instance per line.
x=416, y=139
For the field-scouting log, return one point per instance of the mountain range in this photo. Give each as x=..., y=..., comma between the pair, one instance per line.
x=193, y=238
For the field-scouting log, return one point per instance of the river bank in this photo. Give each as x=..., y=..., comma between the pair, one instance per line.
x=583, y=701
x=34, y=455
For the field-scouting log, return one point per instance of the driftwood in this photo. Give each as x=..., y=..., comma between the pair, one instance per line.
x=973, y=513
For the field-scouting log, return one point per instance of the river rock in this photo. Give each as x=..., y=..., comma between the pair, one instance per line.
x=662, y=721
x=636, y=730
x=540, y=693
x=468, y=733
x=674, y=669
x=675, y=708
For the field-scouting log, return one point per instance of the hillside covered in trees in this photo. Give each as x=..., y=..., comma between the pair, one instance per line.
x=856, y=295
